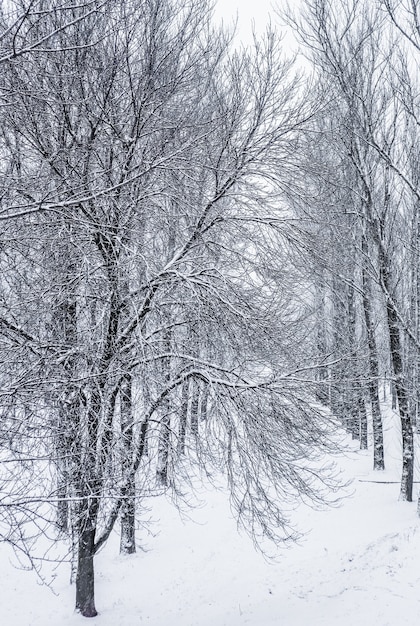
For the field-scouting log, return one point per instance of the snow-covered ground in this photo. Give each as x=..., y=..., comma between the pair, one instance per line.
x=357, y=564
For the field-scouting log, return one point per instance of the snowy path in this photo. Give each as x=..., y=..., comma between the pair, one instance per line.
x=360, y=564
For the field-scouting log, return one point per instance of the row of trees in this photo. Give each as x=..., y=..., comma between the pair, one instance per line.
x=361, y=199
x=197, y=256
x=153, y=316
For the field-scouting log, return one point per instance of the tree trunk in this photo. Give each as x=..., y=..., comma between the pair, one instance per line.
x=87, y=487
x=321, y=374
x=128, y=522
x=406, y=492
x=165, y=421
x=62, y=476
x=393, y=397
x=69, y=405
x=164, y=443
x=378, y=437
x=352, y=386
x=128, y=507
x=85, y=579
x=195, y=406
x=204, y=403
x=183, y=418
x=163, y=447
x=363, y=421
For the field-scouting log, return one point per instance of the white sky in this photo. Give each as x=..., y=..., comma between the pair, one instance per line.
x=256, y=13
x=248, y=11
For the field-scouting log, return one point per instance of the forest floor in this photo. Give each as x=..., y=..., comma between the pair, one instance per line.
x=358, y=563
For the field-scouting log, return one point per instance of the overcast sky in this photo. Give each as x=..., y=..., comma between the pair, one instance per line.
x=258, y=12
x=247, y=11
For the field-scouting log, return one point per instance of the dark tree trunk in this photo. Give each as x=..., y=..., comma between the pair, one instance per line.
x=393, y=397
x=69, y=405
x=68, y=424
x=128, y=507
x=406, y=492
x=363, y=422
x=128, y=523
x=147, y=402
x=195, y=406
x=396, y=349
x=183, y=418
x=164, y=444
x=88, y=490
x=378, y=437
x=204, y=403
x=85, y=579
x=163, y=449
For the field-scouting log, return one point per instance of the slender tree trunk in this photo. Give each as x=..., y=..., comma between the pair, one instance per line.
x=363, y=420
x=165, y=422
x=393, y=396
x=195, y=406
x=373, y=384
x=321, y=344
x=128, y=507
x=204, y=403
x=128, y=521
x=164, y=443
x=406, y=492
x=353, y=385
x=74, y=545
x=183, y=418
x=69, y=405
x=68, y=423
x=147, y=401
x=63, y=477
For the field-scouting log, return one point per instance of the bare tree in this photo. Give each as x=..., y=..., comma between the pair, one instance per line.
x=145, y=173
x=30, y=26
x=372, y=134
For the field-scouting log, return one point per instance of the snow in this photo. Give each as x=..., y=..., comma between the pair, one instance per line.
x=358, y=563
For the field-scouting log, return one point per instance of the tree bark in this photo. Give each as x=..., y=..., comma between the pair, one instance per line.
x=128, y=507
x=363, y=421
x=85, y=579
x=183, y=418
x=378, y=437
x=406, y=492
x=321, y=374
x=164, y=443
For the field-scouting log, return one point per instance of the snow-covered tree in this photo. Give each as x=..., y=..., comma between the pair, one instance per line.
x=149, y=320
